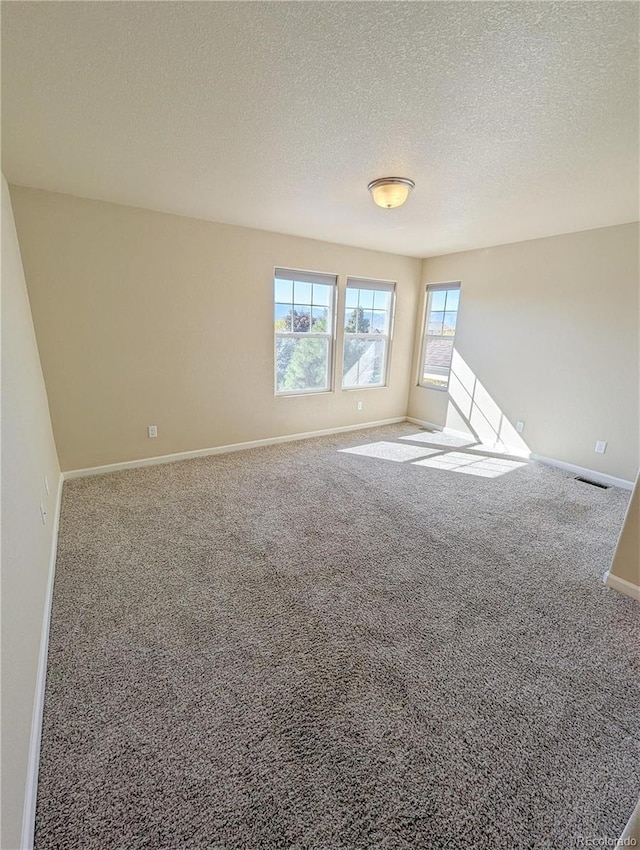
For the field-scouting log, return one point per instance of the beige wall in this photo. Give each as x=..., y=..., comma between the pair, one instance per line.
x=547, y=333
x=28, y=454
x=147, y=318
x=626, y=561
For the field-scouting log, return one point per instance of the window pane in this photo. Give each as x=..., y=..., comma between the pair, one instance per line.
x=379, y=323
x=301, y=318
x=302, y=364
x=437, y=299
x=435, y=323
x=364, y=362
x=352, y=298
x=352, y=350
x=350, y=321
x=453, y=299
x=366, y=298
x=302, y=292
x=321, y=295
x=283, y=317
x=320, y=322
x=381, y=300
x=450, y=323
x=284, y=291
x=437, y=359
x=365, y=323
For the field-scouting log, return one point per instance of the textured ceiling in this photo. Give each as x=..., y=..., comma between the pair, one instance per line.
x=516, y=120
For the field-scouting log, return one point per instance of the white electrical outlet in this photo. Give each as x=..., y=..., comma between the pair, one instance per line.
x=43, y=514
x=519, y=426
x=153, y=430
x=360, y=405
x=46, y=484
x=601, y=447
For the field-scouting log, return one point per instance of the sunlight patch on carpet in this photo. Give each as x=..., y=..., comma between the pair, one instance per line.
x=390, y=451
x=483, y=467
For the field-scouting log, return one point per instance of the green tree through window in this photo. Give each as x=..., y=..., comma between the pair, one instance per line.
x=302, y=366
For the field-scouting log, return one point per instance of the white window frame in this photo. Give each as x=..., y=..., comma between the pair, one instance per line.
x=378, y=286
x=303, y=276
x=436, y=287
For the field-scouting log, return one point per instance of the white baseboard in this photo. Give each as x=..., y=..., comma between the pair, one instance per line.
x=600, y=477
x=472, y=442
x=430, y=426
x=217, y=450
x=621, y=585
x=31, y=787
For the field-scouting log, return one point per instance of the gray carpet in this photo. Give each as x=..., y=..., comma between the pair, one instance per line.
x=301, y=647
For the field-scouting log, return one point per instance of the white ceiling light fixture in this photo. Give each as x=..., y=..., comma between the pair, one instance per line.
x=390, y=192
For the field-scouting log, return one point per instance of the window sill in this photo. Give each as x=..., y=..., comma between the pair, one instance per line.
x=302, y=393
x=437, y=389
x=363, y=389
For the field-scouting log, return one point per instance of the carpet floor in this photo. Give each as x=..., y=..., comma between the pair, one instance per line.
x=379, y=639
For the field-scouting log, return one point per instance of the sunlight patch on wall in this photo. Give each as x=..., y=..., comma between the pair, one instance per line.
x=471, y=408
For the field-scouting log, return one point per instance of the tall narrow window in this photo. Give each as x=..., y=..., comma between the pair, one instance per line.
x=439, y=334
x=303, y=314
x=367, y=331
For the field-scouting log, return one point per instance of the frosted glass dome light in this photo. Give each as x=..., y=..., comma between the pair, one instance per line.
x=390, y=192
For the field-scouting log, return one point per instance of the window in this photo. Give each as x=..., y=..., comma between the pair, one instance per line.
x=303, y=314
x=440, y=331
x=367, y=330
